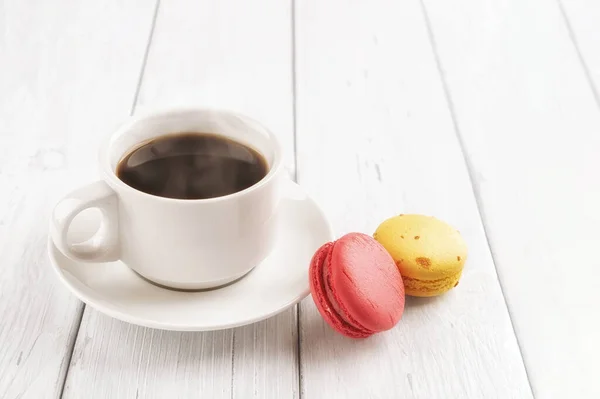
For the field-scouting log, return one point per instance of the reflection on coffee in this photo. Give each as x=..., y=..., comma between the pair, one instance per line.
x=192, y=166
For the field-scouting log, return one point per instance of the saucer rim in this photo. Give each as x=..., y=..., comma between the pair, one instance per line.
x=149, y=323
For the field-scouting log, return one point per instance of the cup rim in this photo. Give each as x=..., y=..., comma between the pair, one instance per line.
x=113, y=180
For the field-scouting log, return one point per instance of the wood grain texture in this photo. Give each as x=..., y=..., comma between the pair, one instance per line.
x=530, y=123
x=67, y=74
x=375, y=139
x=113, y=359
x=236, y=55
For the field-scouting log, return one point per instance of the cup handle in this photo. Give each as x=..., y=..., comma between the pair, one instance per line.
x=103, y=246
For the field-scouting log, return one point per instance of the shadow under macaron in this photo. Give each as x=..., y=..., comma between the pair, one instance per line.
x=416, y=301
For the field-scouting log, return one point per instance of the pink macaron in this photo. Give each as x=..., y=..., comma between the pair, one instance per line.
x=356, y=286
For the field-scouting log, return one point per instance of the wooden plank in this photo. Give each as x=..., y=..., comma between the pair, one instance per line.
x=235, y=55
x=67, y=74
x=376, y=138
x=113, y=359
x=266, y=358
x=530, y=123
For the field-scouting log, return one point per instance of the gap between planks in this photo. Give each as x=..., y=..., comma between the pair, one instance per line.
x=584, y=66
x=72, y=342
x=295, y=178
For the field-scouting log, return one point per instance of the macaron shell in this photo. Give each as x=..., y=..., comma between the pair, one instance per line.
x=318, y=287
x=424, y=248
x=368, y=285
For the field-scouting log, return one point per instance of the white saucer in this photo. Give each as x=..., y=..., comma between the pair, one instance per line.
x=271, y=287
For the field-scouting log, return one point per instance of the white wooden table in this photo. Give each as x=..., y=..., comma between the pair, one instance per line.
x=484, y=113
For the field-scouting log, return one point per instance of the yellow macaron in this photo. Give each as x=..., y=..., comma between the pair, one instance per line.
x=429, y=253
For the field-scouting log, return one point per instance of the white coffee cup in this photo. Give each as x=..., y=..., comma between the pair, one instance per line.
x=177, y=243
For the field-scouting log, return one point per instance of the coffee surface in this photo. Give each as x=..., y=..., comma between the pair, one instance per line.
x=192, y=166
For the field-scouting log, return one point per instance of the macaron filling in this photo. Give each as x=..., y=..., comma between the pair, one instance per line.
x=422, y=287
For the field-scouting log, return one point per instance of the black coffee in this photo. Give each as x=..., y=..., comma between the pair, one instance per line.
x=192, y=166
